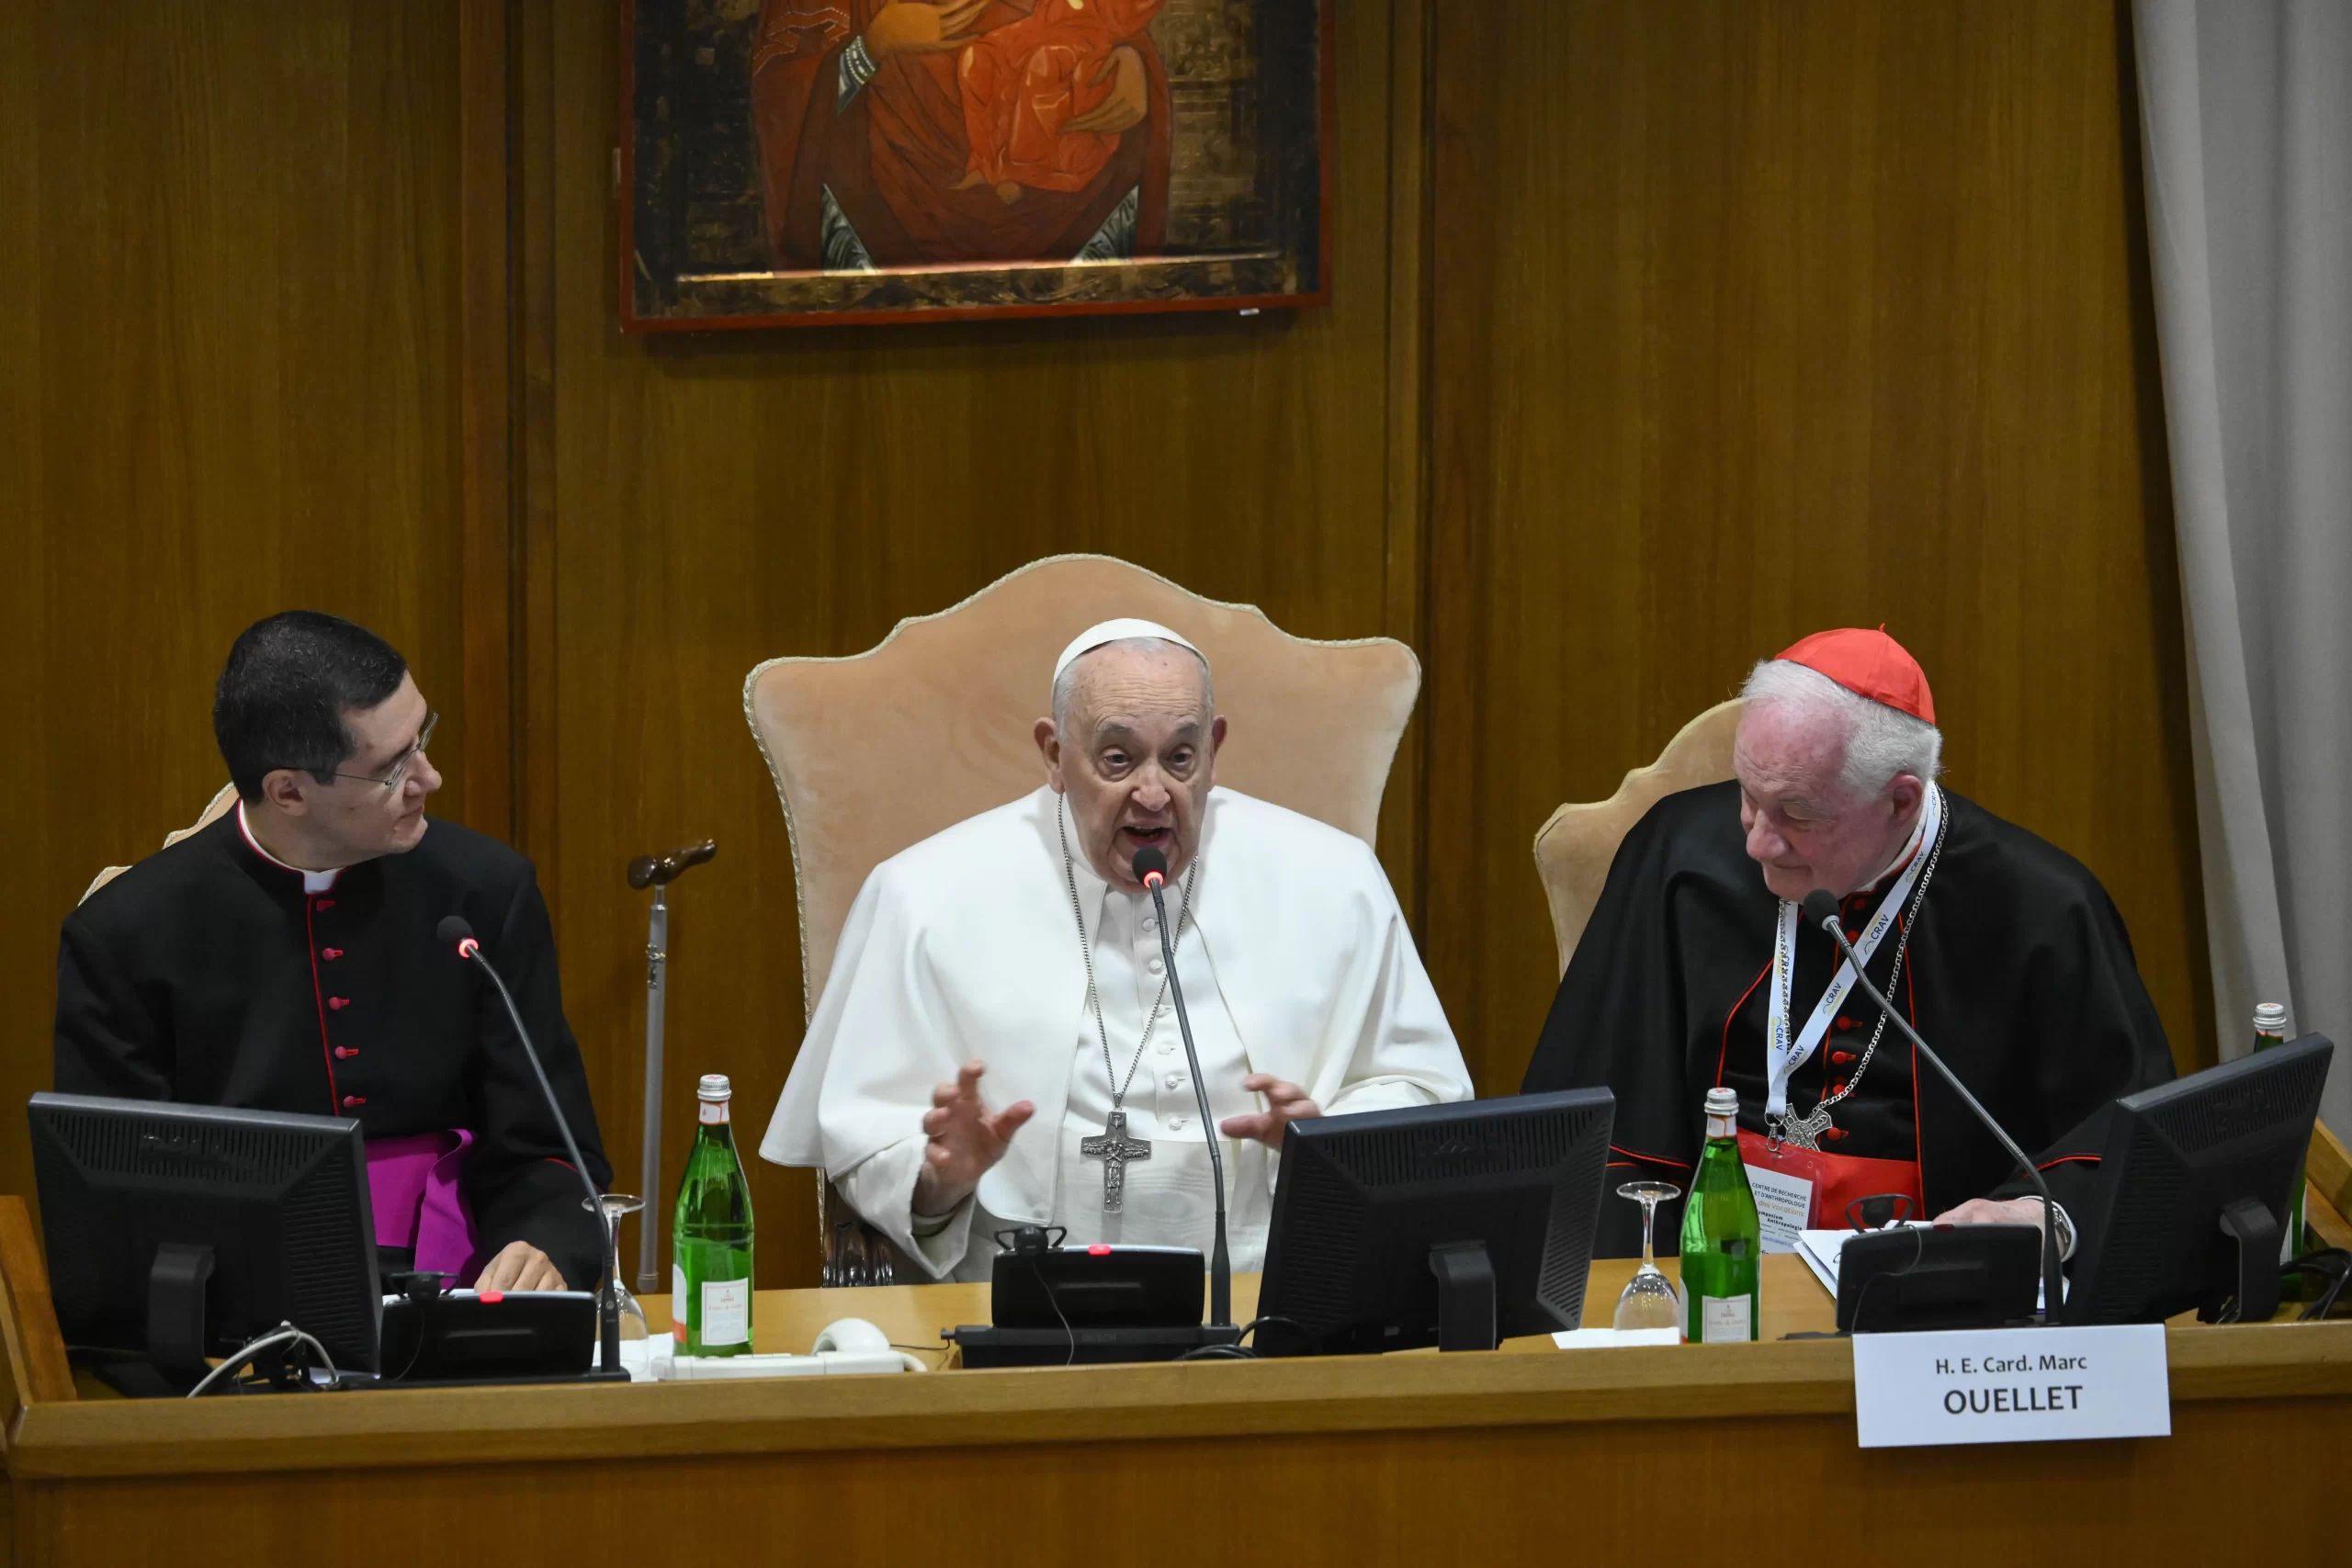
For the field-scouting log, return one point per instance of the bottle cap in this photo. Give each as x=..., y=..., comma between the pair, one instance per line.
x=1722, y=1102
x=714, y=1086
x=2270, y=1018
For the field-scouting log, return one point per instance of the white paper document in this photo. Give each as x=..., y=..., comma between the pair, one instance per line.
x=1783, y=1203
x=1602, y=1338
x=2011, y=1385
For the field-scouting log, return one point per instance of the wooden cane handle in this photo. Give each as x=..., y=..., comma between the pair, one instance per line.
x=651, y=871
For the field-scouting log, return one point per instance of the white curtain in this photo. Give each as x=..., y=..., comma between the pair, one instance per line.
x=2246, y=110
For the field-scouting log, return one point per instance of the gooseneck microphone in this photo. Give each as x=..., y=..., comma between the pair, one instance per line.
x=454, y=929
x=1152, y=869
x=1821, y=908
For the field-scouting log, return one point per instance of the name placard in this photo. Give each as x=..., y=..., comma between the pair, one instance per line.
x=2011, y=1385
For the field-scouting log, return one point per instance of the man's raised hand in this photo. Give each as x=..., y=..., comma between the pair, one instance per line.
x=966, y=1140
x=1285, y=1103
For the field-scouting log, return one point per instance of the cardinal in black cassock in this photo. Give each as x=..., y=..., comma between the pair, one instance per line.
x=2002, y=950
x=216, y=973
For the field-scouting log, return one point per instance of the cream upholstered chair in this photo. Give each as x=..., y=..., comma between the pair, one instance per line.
x=1314, y=725
x=1577, y=843
x=212, y=813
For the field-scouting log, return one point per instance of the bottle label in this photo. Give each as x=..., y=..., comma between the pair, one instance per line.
x=678, y=1303
x=713, y=1110
x=727, y=1312
x=1725, y=1320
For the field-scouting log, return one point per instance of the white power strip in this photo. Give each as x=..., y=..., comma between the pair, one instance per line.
x=826, y=1363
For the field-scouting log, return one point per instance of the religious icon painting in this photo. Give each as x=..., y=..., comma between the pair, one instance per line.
x=789, y=162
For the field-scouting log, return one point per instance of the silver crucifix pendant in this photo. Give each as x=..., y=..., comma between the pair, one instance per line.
x=1115, y=1149
x=1804, y=1132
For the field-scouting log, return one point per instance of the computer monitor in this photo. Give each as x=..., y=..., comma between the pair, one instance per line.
x=1455, y=1225
x=2193, y=1191
x=180, y=1231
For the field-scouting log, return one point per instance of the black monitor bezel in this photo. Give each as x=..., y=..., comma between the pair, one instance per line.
x=93, y=1222
x=1578, y=1181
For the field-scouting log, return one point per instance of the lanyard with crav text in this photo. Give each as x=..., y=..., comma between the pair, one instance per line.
x=1784, y=1054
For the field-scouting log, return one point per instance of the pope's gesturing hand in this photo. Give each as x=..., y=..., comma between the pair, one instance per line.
x=966, y=1140
x=1285, y=1103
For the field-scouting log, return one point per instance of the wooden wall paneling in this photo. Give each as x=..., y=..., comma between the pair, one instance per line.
x=228, y=363
x=1752, y=319
x=27, y=923
x=1404, y=808
x=486, y=105
x=533, y=510
x=721, y=500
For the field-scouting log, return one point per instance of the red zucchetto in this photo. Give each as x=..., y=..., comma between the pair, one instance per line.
x=1871, y=663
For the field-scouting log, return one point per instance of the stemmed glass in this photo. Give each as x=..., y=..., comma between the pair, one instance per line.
x=1649, y=1299
x=619, y=1206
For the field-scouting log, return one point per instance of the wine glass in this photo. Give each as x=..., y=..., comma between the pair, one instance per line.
x=617, y=1206
x=1649, y=1299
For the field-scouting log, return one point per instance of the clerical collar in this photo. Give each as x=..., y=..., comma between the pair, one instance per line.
x=312, y=881
x=1911, y=847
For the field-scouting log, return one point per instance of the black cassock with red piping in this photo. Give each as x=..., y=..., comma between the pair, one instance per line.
x=2018, y=971
x=206, y=974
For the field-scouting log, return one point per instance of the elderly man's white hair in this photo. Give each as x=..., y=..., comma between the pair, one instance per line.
x=1881, y=741
x=1067, y=681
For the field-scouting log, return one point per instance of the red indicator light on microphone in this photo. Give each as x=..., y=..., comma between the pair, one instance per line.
x=1098, y=1251
x=493, y=1297
x=467, y=948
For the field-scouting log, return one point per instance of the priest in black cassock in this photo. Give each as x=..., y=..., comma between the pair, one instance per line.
x=284, y=959
x=2002, y=950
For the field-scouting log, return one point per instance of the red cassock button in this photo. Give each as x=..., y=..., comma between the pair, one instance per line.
x=351, y=1099
x=322, y=904
x=1840, y=1058
x=338, y=1003
x=1834, y=1133
x=330, y=953
x=345, y=1052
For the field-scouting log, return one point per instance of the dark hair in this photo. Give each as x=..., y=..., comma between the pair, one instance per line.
x=282, y=695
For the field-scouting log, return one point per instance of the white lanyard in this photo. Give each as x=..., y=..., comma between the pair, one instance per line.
x=1783, y=1055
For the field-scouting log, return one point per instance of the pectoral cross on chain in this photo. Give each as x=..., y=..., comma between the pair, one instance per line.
x=1115, y=1149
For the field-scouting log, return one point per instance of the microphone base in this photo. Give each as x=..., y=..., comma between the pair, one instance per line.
x=986, y=1346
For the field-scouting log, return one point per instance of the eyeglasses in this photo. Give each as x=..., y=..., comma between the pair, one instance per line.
x=399, y=767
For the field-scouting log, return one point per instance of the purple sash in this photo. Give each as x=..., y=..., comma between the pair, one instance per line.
x=414, y=1184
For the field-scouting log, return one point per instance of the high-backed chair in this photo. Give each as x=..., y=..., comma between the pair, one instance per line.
x=1577, y=843
x=213, y=812
x=1314, y=727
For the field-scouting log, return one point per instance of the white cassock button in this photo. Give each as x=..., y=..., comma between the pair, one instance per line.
x=1167, y=1047
x=1175, y=1123
x=1155, y=966
x=1151, y=922
x=1175, y=1080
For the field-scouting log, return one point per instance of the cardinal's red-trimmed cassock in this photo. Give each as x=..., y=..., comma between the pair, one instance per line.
x=2014, y=965
x=210, y=973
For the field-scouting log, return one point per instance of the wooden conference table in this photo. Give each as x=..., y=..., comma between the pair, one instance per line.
x=1707, y=1455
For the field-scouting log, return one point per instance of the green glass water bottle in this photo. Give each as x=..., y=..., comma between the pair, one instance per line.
x=2270, y=1029
x=1721, y=1243
x=710, y=1273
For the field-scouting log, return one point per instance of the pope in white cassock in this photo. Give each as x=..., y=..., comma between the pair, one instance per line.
x=998, y=1004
